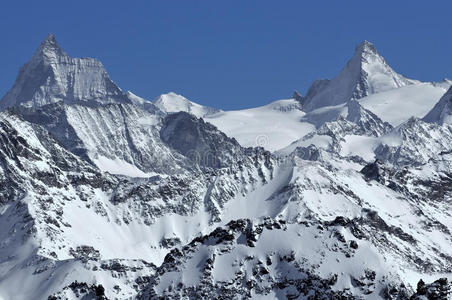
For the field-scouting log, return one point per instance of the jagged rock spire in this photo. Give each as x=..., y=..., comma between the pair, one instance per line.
x=366, y=47
x=48, y=51
x=52, y=76
x=297, y=96
x=366, y=73
x=49, y=44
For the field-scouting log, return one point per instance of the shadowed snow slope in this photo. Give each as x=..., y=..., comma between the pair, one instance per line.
x=442, y=112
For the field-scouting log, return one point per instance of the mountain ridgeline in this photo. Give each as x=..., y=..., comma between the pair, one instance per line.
x=343, y=193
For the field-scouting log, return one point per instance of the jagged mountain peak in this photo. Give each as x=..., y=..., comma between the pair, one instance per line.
x=366, y=73
x=368, y=121
x=356, y=111
x=124, y=201
x=366, y=47
x=297, y=96
x=49, y=48
x=50, y=39
x=52, y=76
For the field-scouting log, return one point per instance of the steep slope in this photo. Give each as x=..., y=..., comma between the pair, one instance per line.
x=365, y=74
x=66, y=222
x=442, y=112
x=331, y=231
x=200, y=141
x=76, y=101
x=118, y=138
x=348, y=131
x=52, y=76
x=172, y=102
x=415, y=143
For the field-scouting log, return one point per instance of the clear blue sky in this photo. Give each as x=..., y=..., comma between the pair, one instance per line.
x=229, y=54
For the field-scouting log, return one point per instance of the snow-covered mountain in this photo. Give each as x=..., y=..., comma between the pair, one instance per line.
x=366, y=78
x=52, y=76
x=173, y=102
x=105, y=195
x=365, y=74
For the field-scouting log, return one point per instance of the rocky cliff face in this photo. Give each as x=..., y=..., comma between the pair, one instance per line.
x=52, y=76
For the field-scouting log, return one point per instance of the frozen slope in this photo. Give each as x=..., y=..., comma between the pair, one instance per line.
x=398, y=105
x=272, y=126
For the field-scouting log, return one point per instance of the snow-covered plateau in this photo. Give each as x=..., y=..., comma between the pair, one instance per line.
x=345, y=193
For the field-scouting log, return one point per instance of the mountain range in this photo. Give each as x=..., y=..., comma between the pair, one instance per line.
x=344, y=193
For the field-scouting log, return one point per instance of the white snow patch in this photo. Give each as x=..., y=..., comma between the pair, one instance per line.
x=362, y=146
x=273, y=126
x=398, y=105
x=119, y=167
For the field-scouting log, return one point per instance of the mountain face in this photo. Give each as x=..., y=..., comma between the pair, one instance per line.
x=105, y=195
x=365, y=74
x=442, y=112
x=118, y=138
x=200, y=141
x=52, y=76
x=415, y=143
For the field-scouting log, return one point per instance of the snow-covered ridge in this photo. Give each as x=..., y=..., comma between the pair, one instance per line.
x=129, y=199
x=173, y=102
